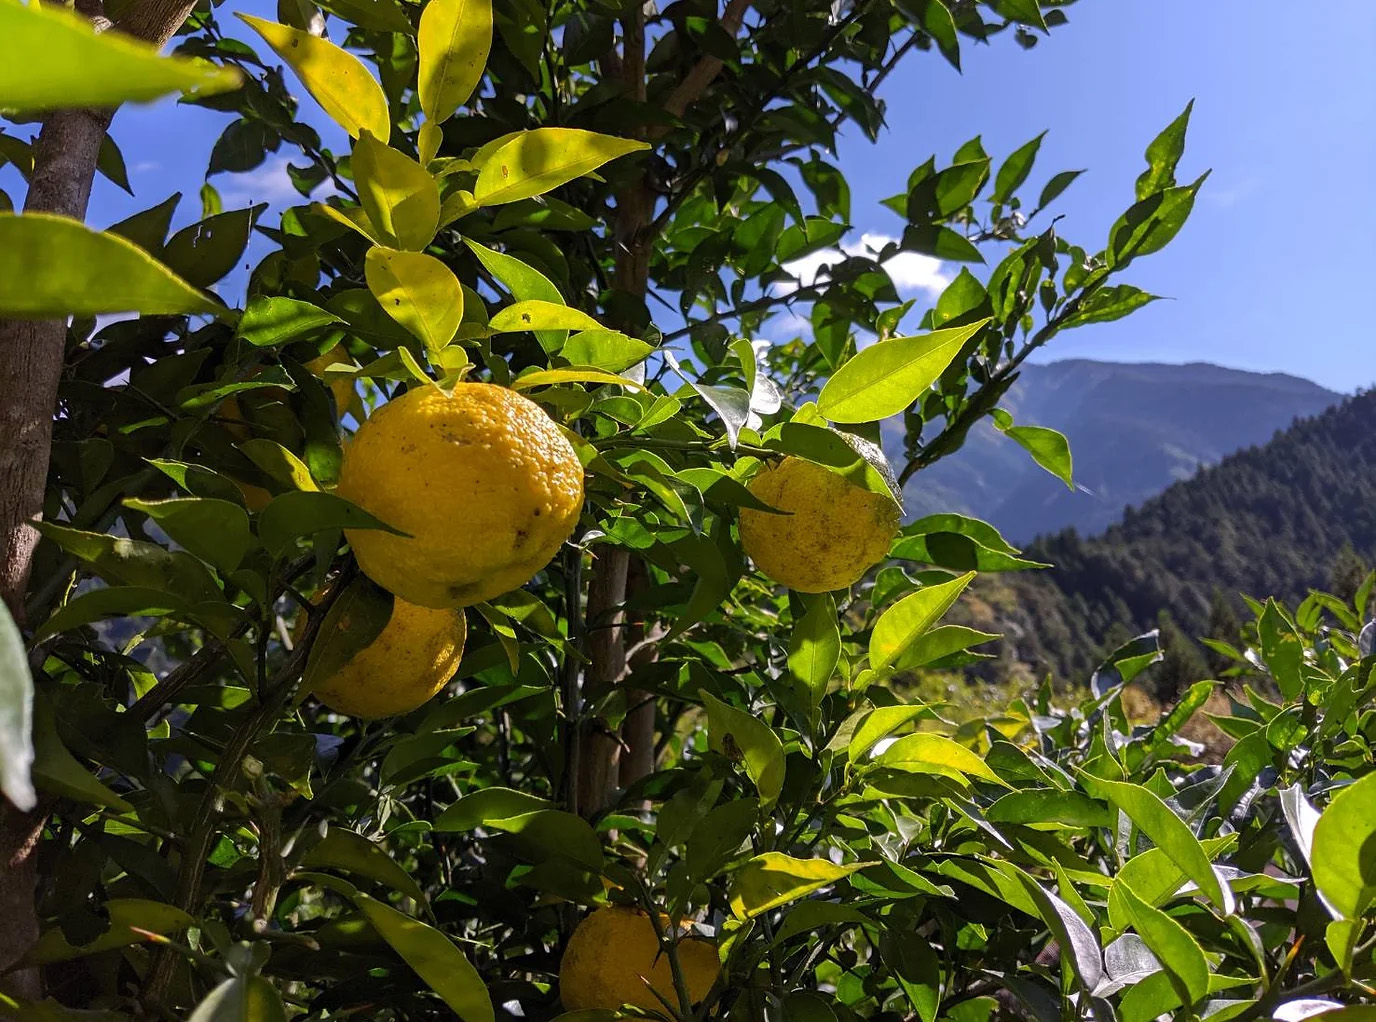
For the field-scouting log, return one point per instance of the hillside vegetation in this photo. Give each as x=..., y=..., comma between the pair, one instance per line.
x=1296, y=513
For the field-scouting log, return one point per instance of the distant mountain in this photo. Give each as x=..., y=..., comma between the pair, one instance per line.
x=1133, y=428
x=1274, y=520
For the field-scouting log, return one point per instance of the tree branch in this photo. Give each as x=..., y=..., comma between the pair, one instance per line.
x=705, y=71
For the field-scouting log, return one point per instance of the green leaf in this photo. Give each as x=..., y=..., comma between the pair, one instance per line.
x=525, y=284
x=937, y=22
x=881, y=722
x=16, y=716
x=540, y=160
x=351, y=624
x=278, y=462
x=57, y=771
x=1028, y=12
x=1015, y=170
x=887, y=377
x=418, y=291
x=125, y=914
x=85, y=273
x=605, y=349
x=273, y=320
x=52, y=59
x=1163, y=154
x=434, y=957
x=924, y=752
x=550, y=377
x=216, y=531
x=338, y=80
x=1048, y=448
x=133, y=562
x=209, y=249
x=115, y=601
x=400, y=197
x=1282, y=650
x=812, y=915
x=351, y=852
x=148, y=228
x=940, y=642
x=302, y=513
x=1058, y=183
x=242, y=998
x=1049, y=806
x=740, y=736
x=552, y=834
x=534, y=314
x=110, y=163
x=1167, y=831
x=814, y=648
x=1178, y=952
x=1344, y=860
x=1085, y=957
x=484, y=804
x=1150, y=225
x=910, y=618
x=453, y=43
x=1107, y=304
x=773, y=879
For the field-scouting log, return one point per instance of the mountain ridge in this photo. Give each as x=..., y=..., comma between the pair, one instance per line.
x=1134, y=429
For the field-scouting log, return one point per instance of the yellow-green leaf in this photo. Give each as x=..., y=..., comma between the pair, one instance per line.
x=434, y=957
x=774, y=879
x=278, y=462
x=910, y=618
x=453, y=42
x=51, y=58
x=887, y=377
x=1345, y=849
x=924, y=752
x=541, y=160
x=125, y=914
x=241, y=998
x=418, y=291
x=1172, y=944
x=541, y=315
x=548, y=377
x=741, y=736
x=84, y=273
x=400, y=197
x=338, y=80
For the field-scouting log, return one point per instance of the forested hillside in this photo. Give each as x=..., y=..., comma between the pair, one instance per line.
x=1135, y=428
x=1296, y=513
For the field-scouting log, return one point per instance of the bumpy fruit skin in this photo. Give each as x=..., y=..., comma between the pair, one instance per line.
x=613, y=948
x=837, y=531
x=483, y=482
x=414, y=656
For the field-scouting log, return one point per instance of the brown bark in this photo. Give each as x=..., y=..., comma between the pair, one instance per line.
x=606, y=647
x=31, y=355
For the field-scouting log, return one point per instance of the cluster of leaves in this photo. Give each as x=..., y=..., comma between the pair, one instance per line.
x=435, y=857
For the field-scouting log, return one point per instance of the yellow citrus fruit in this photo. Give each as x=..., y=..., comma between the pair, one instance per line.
x=410, y=660
x=613, y=948
x=835, y=533
x=482, y=482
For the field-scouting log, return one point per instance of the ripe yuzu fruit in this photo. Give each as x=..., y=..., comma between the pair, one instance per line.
x=613, y=948
x=413, y=657
x=482, y=481
x=834, y=533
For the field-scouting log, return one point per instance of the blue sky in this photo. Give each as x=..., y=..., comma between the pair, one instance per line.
x=1272, y=273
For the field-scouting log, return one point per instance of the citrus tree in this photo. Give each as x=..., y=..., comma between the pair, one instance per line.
x=479, y=616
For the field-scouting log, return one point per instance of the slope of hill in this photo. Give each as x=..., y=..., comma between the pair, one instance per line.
x=1134, y=429
x=1267, y=521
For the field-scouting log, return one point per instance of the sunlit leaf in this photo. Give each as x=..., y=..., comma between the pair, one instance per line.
x=418, y=291
x=400, y=197
x=540, y=160
x=773, y=879
x=85, y=272
x=453, y=42
x=888, y=376
x=338, y=80
x=51, y=58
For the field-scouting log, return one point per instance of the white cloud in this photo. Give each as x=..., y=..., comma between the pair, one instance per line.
x=270, y=183
x=910, y=271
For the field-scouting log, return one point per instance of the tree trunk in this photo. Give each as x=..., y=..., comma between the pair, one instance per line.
x=31, y=355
